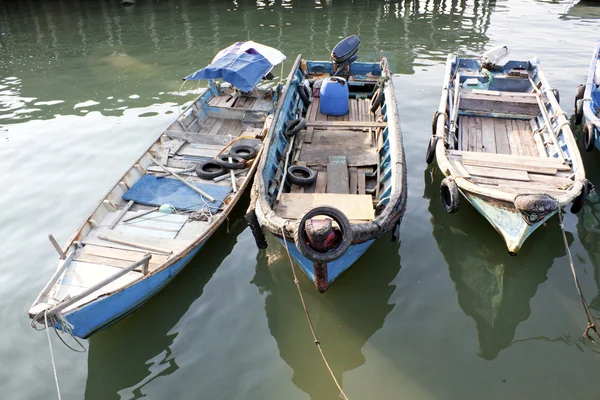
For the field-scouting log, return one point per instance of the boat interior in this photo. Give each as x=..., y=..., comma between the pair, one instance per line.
x=343, y=151
x=506, y=134
x=129, y=222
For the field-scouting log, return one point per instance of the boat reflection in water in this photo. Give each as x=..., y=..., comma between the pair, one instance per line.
x=142, y=343
x=344, y=318
x=493, y=287
x=588, y=230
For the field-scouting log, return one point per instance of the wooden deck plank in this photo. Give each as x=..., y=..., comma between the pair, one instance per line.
x=353, y=189
x=479, y=135
x=346, y=124
x=488, y=140
x=513, y=159
x=527, y=139
x=121, y=254
x=516, y=175
x=216, y=127
x=356, y=146
x=501, y=136
x=462, y=121
x=225, y=127
x=362, y=182
x=514, y=140
x=523, y=137
x=354, y=206
x=472, y=133
x=337, y=175
x=321, y=183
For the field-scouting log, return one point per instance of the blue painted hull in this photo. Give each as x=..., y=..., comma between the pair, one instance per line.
x=334, y=268
x=591, y=97
x=108, y=310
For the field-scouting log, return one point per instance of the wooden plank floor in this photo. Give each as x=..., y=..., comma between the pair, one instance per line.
x=496, y=135
x=321, y=142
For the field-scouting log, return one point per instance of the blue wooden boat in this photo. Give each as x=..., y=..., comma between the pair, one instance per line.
x=502, y=140
x=161, y=212
x=587, y=104
x=333, y=178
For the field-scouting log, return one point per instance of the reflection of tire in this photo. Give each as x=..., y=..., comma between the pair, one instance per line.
x=304, y=94
x=235, y=163
x=302, y=241
x=244, y=151
x=556, y=95
x=209, y=170
x=376, y=100
x=431, y=149
x=589, y=136
x=449, y=195
x=580, y=200
x=578, y=111
x=294, y=127
x=579, y=92
x=309, y=176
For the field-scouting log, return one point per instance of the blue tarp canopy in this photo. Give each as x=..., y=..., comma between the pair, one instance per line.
x=243, y=70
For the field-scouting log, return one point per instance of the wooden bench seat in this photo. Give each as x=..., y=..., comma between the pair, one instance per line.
x=354, y=206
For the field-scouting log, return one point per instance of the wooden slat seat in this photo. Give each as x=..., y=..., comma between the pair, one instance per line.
x=354, y=206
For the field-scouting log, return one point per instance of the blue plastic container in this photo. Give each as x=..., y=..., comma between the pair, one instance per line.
x=334, y=96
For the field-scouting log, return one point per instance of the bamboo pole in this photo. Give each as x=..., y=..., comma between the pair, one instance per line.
x=194, y=188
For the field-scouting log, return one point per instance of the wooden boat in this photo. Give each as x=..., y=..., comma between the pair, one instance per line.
x=587, y=104
x=160, y=213
x=502, y=140
x=351, y=186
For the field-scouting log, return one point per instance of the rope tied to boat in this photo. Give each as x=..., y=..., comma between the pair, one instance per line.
x=52, y=355
x=310, y=324
x=592, y=325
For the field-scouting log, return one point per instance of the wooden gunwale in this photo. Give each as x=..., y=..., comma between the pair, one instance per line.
x=466, y=185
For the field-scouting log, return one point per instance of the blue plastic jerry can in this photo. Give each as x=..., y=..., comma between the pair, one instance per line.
x=334, y=96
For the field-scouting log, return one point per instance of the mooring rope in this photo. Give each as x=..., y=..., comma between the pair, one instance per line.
x=591, y=321
x=310, y=324
x=52, y=356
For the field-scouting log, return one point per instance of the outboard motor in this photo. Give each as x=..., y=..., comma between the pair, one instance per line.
x=344, y=54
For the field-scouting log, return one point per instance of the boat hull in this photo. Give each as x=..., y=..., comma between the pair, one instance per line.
x=329, y=272
x=506, y=219
x=107, y=310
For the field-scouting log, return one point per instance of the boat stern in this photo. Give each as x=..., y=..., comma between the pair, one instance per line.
x=324, y=274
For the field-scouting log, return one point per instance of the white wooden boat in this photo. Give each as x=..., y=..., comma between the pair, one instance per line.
x=129, y=248
x=502, y=140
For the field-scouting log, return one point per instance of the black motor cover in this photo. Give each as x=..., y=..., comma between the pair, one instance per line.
x=345, y=49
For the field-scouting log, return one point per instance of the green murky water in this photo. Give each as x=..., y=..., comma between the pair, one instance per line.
x=86, y=86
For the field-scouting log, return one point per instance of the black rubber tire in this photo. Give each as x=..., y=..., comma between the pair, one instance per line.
x=579, y=92
x=209, y=170
x=557, y=95
x=376, y=100
x=580, y=200
x=259, y=236
x=313, y=255
x=449, y=195
x=236, y=162
x=589, y=136
x=245, y=151
x=307, y=180
x=578, y=111
x=304, y=93
x=430, y=155
x=294, y=127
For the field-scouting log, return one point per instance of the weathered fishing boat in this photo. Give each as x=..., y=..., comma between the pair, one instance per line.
x=333, y=178
x=587, y=104
x=167, y=205
x=502, y=140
